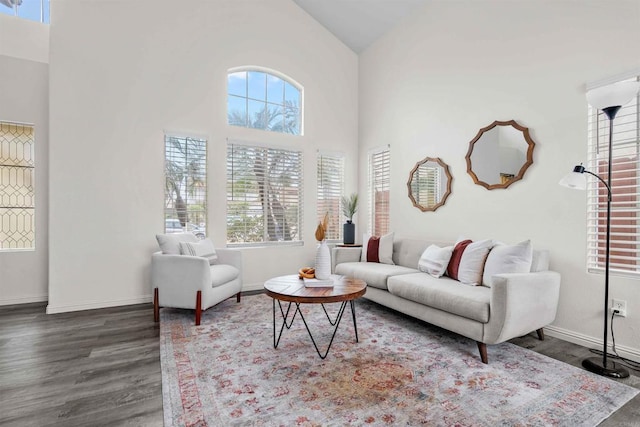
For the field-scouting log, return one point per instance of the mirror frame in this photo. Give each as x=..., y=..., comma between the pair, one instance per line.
x=446, y=193
x=525, y=166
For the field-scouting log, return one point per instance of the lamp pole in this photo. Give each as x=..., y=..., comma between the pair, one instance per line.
x=602, y=367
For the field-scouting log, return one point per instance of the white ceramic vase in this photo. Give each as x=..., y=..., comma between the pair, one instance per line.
x=323, y=261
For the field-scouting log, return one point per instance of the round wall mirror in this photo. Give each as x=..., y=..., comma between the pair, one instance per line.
x=429, y=184
x=500, y=154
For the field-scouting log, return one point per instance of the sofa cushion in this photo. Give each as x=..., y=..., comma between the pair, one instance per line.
x=443, y=294
x=377, y=249
x=472, y=262
x=507, y=259
x=373, y=273
x=223, y=273
x=170, y=243
x=204, y=248
x=434, y=260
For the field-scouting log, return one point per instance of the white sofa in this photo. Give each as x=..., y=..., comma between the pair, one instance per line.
x=516, y=303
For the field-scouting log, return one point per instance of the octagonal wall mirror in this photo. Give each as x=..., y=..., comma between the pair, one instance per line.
x=429, y=184
x=500, y=154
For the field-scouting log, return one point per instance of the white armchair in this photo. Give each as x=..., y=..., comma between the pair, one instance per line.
x=185, y=281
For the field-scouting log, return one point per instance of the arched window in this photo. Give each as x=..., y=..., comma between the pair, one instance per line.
x=260, y=99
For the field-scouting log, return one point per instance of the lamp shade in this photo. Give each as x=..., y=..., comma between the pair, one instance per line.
x=575, y=180
x=617, y=94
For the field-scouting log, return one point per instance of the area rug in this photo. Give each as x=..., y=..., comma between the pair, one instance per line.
x=226, y=372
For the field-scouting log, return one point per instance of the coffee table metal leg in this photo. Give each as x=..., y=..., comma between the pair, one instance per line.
x=353, y=314
x=284, y=320
x=337, y=323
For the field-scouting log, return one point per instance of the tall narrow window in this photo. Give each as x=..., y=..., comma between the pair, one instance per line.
x=625, y=189
x=185, y=185
x=264, y=195
x=379, y=179
x=330, y=190
x=17, y=197
x=261, y=100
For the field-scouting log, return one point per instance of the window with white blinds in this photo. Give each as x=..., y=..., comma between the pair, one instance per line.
x=625, y=176
x=185, y=193
x=379, y=180
x=330, y=190
x=264, y=195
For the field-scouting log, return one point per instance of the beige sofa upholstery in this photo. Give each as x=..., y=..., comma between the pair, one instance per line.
x=515, y=305
x=185, y=281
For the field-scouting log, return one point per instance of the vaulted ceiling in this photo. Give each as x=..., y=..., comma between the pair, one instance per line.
x=358, y=23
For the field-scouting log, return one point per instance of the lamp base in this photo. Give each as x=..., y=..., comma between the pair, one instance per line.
x=612, y=370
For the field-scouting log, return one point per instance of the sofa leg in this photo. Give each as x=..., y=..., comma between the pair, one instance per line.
x=156, y=306
x=198, y=307
x=540, y=334
x=483, y=352
x=238, y=297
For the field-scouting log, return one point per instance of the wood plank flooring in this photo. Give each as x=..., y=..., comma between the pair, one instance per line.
x=102, y=368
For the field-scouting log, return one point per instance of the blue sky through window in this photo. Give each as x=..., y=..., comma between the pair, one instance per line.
x=260, y=100
x=29, y=9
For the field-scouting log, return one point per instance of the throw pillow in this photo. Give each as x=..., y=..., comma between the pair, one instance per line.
x=434, y=260
x=456, y=256
x=204, y=248
x=508, y=259
x=170, y=243
x=377, y=249
x=471, y=263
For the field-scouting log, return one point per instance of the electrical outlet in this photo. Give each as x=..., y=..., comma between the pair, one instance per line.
x=621, y=306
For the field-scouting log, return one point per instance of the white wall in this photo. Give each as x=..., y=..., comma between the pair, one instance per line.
x=24, y=98
x=428, y=87
x=122, y=72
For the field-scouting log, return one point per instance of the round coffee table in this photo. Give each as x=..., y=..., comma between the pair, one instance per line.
x=291, y=289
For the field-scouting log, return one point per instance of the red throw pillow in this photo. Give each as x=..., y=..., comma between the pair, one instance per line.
x=373, y=249
x=454, y=263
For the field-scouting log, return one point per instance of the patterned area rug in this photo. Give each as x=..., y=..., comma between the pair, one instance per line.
x=402, y=372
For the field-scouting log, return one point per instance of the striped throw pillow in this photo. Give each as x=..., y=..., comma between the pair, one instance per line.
x=204, y=248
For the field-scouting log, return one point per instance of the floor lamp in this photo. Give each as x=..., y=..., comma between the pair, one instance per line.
x=609, y=99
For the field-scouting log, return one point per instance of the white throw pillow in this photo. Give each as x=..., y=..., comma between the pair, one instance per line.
x=204, y=248
x=472, y=262
x=385, y=248
x=170, y=243
x=434, y=260
x=508, y=259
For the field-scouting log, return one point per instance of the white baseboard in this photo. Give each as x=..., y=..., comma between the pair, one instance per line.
x=253, y=286
x=590, y=342
x=23, y=300
x=98, y=304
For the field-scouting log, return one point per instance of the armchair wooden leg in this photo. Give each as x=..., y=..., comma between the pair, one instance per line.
x=238, y=297
x=198, y=307
x=156, y=306
x=483, y=352
x=540, y=334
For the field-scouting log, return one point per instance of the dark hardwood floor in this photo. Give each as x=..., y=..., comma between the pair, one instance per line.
x=102, y=368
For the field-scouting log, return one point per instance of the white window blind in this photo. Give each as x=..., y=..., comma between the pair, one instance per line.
x=330, y=190
x=625, y=176
x=17, y=196
x=379, y=181
x=185, y=184
x=264, y=195
x=426, y=185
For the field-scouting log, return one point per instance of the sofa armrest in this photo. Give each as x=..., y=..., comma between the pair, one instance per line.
x=178, y=278
x=521, y=303
x=340, y=255
x=230, y=257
